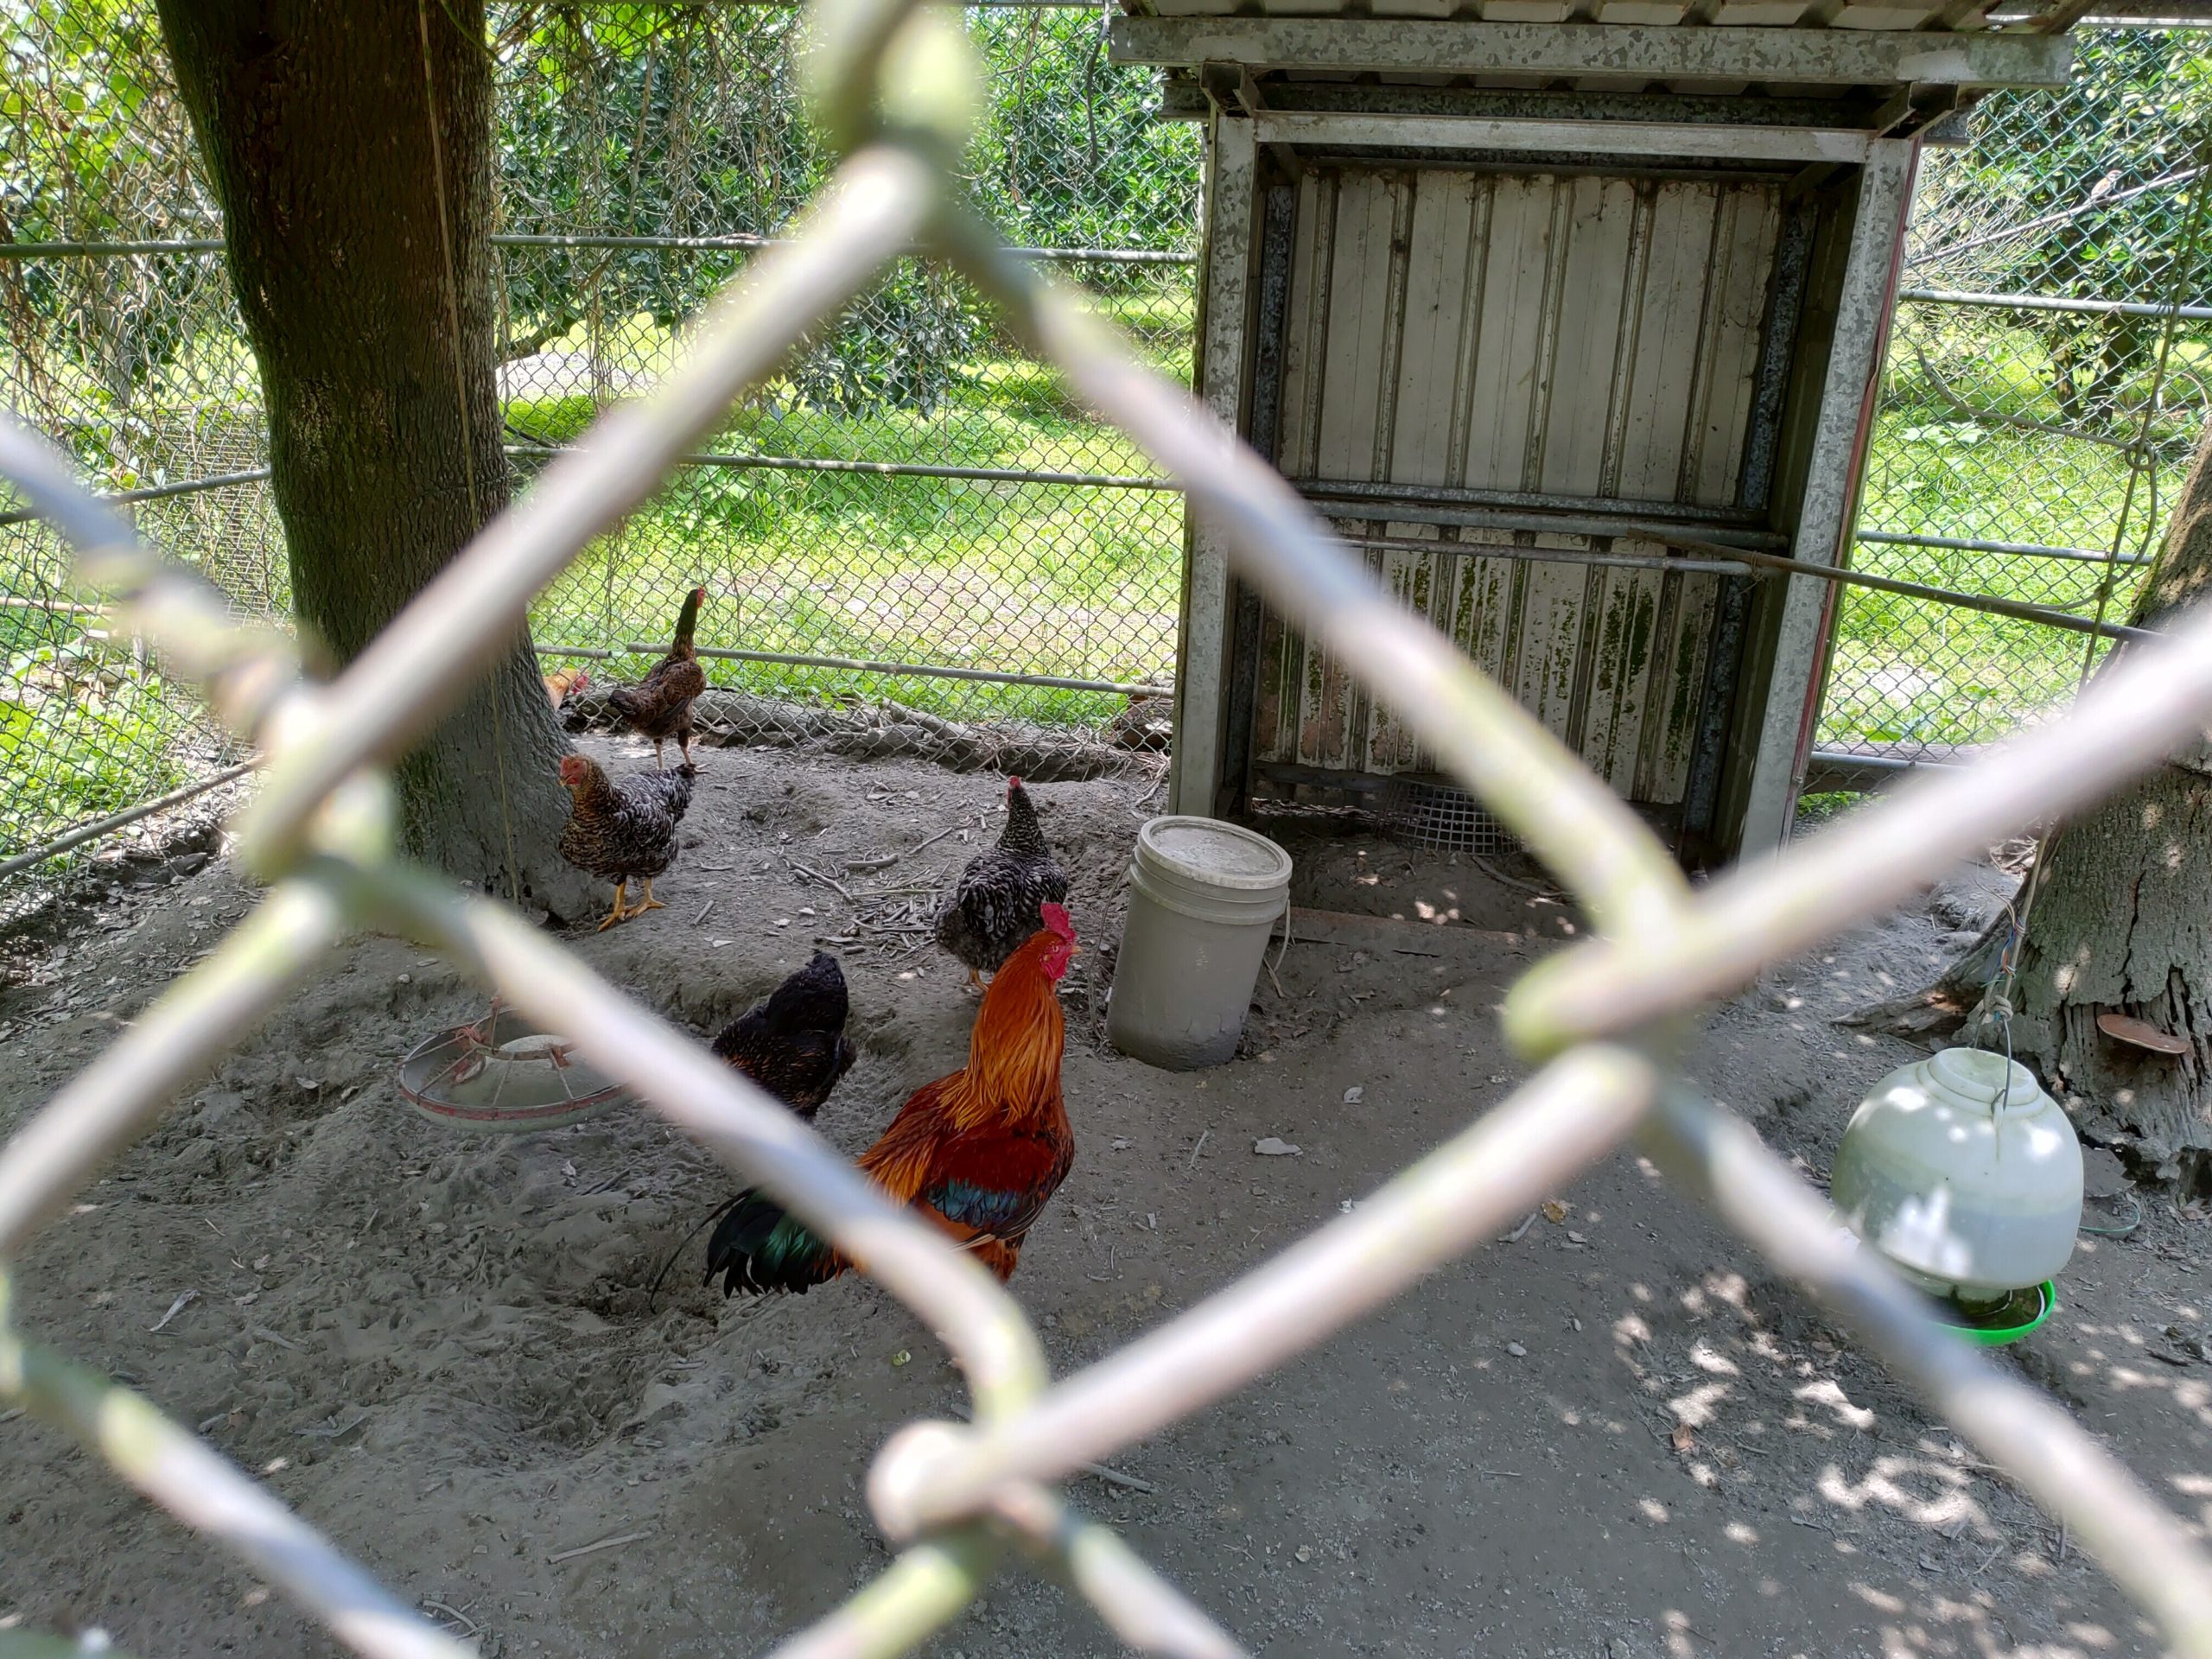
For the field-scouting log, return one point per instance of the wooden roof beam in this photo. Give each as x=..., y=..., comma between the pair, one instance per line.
x=1825, y=57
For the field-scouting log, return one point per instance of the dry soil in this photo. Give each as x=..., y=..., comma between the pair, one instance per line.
x=1616, y=1434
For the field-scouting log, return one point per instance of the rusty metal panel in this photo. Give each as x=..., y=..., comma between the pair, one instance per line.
x=1570, y=335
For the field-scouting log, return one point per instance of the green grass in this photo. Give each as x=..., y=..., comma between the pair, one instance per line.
x=1069, y=580
x=1043, y=578
x=1920, y=674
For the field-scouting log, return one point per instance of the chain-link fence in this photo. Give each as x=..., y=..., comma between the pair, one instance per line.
x=2050, y=370
x=910, y=539
x=1603, y=1018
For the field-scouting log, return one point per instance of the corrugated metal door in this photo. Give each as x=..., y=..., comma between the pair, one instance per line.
x=1566, y=340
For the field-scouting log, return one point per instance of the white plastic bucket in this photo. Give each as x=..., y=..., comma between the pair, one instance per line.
x=1204, y=897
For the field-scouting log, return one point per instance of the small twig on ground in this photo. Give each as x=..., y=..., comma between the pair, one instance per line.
x=455, y=1616
x=920, y=845
x=594, y=1548
x=702, y=916
x=836, y=886
x=1516, y=1235
x=1504, y=880
x=183, y=1297
x=1198, y=1149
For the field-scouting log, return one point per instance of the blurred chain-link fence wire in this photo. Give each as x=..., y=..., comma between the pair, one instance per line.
x=2050, y=370
x=912, y=540
x=1602, y=1020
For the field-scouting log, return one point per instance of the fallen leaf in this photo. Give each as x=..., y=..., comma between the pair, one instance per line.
x=1274, y=1146
x=1555, y=1209
x=1684, y=1439
x=1354, y=1095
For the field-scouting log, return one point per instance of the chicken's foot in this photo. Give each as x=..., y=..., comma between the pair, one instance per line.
x=619, y=914
x=650, y=903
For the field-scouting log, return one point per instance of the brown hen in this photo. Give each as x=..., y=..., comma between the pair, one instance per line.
x=660, y=705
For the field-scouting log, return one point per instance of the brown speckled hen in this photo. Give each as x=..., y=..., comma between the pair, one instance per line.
x=792, y=1043
x=624, y=831
x=660, y=705
x=994, y=910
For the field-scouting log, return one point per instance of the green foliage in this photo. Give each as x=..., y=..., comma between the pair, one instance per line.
x=2087, y=198
x=660, y=120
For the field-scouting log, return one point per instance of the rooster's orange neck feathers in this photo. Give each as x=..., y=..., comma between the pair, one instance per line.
x=1014, y=1053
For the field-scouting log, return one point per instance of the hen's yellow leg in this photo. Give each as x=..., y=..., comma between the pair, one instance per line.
x=650, y=903
x=618, y=913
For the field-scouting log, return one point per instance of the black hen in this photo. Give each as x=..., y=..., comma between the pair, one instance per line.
x=793, y=1043
x=993, y=911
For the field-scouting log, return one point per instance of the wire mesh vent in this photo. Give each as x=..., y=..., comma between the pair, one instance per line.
x=1441, y=818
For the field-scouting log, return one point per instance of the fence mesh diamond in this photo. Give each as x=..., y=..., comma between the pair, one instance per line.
x=1597, y=1019
x=913, y=526
x=2049, y=369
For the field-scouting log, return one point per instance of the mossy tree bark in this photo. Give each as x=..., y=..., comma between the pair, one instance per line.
x=2122, y=923
x=350, y=146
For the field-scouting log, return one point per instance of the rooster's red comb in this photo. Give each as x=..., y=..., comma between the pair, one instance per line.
x=1056, y=918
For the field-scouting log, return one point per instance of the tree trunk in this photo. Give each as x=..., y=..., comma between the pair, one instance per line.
x=335, y=134
x=2121, y=924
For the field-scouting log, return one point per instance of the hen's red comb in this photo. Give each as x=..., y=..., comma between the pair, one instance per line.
x=1056, y=918
x=1012, y=783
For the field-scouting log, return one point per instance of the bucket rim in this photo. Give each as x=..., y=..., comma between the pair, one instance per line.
x=1160, y=861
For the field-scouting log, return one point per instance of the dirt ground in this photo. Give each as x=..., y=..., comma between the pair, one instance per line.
x=1615, y=1435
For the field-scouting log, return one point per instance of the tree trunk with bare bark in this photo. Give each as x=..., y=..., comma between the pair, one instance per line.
x=350, y=147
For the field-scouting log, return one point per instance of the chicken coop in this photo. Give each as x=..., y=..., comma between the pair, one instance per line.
x=1554, y=310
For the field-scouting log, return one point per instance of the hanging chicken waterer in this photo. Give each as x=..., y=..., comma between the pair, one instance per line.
x=1968, y=1177
x=503, y=1075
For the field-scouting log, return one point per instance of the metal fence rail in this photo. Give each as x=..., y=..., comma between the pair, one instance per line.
x=1604, y=1017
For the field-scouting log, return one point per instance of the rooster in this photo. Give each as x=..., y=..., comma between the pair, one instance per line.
x=660, y=705
x=993, y=908
x=564, y=683
x=793, y=1042
x=624, y=831
x=979, y=1153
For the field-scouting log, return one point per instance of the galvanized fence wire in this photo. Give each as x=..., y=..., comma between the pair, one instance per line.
x=909, y=514
x=1603, y=1017
x=912, y=542
x=2054, y=324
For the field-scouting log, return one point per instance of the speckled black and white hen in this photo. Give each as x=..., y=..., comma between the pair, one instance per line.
x=994, y=907
x=624, y=831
